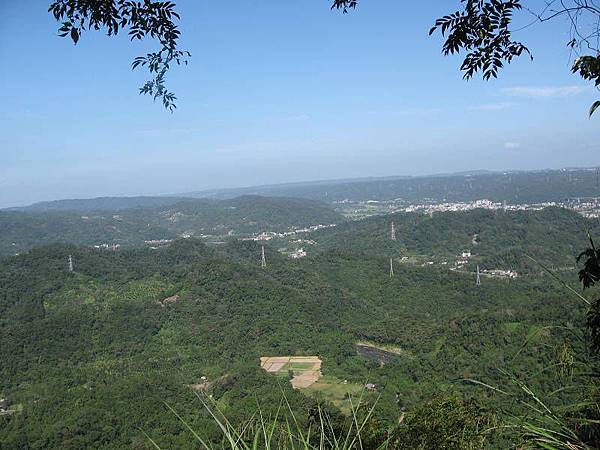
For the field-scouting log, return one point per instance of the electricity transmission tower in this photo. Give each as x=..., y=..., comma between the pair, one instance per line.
x=263, y=262
x=393, y=232
x=478, y=282
x=391, y=267
x=70, y=263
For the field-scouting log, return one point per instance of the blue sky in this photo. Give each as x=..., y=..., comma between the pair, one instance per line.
x=276, y=91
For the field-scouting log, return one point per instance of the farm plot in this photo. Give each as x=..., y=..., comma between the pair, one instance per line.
x=306, y=370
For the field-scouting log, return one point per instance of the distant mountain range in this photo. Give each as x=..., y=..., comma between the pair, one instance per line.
x=509, y=186
x=101, y=204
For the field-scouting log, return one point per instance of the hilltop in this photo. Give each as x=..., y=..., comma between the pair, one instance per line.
x=23, y=230
x=495, y=239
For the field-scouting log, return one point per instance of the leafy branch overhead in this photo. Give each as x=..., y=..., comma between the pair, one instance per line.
x=141, y=19
x=480, y=28
x=344, y=5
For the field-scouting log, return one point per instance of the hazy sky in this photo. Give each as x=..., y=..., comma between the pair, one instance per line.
x=276, y=91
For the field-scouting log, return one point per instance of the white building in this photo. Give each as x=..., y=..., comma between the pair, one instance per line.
x=300, y=253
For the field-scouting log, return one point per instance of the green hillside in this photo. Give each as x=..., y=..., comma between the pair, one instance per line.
x=496, y=239
x=89, y=357
x=21, y=231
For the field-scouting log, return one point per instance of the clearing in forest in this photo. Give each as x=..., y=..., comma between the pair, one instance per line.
x=339, y=392
x=306, y=369
x=383, y=353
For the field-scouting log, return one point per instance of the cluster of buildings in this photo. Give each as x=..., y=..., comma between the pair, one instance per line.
x=109, y=247
x=499, y=273
x=476, y=204
x=295, y=254
x=300, y=253
x=269, y=235
x=588, y=206
x=156, y=243
x=463, y=260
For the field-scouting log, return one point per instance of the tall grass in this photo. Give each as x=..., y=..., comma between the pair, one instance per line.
x=574, y=426
x=283, y=430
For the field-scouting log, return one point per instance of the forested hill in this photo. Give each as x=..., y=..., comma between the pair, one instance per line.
x=21, y=230
x=512, y=187
x=496, y=239
x=90, y=358
x=100, y=204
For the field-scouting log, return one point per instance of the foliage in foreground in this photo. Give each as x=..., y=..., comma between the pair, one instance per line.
x=446, y=422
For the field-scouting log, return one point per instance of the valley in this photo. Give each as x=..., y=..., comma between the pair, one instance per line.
x=183, y=307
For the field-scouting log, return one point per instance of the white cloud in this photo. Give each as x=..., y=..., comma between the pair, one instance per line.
x=491, y=106
x=544, y=91
x=511, y=145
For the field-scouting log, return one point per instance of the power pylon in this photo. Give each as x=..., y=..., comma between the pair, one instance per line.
x=478, y=282
x=393, y=232
x=70, y=263
x=263, y=262
x=391, y=267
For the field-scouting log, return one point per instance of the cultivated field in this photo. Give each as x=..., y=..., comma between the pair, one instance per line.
x=307, y=376
x=306, y=369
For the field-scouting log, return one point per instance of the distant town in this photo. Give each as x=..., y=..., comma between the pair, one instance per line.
x=588, y=207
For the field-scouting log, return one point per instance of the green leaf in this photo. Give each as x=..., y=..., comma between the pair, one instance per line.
x=594, y=107
x=74, y=35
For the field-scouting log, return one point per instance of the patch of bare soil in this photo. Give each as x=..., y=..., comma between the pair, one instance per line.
x=307, y=369
x=168, y=300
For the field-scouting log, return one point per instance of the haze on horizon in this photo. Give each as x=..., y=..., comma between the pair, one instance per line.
x=276, y=92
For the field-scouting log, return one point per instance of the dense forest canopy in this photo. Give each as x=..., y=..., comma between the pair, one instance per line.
x=496, y=239
x=97, y=349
